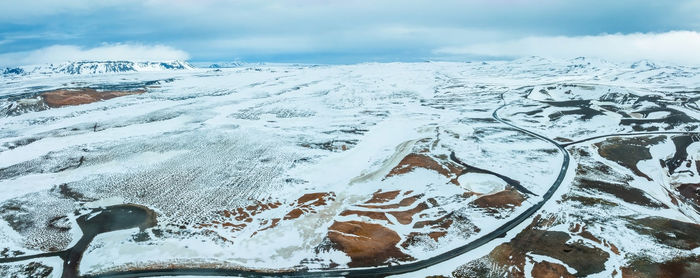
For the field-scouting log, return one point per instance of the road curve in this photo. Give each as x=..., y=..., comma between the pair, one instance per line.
x=375, y=271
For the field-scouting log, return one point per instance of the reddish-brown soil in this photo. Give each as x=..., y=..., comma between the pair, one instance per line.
x=628, y=151
x=376, y=215
x=584, y=259
x=442, y=222
x=691, y=191
x=366, y=244
x=546, y=269
x=582, y=232
x=246, y=216
x=507, y=198
x=383, y=197
x=626, y=193
x=678, y=234
x=413, y=161
x=403, y=203
x=315, y=199
x=307, y=202
x=679, y=268
x=67, y=97
x=406, y=217
x=438, y=229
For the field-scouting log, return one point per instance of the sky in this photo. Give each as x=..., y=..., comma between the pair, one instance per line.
x=349, y=31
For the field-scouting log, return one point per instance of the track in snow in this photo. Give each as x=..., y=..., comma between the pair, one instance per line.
x=376, y=271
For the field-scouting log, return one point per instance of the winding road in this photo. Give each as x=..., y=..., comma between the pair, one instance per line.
x=377, y=271
x=385, y=270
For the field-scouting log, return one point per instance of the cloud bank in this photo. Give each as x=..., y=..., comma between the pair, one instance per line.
x=320, y=31
x=64, y=53
x=678, y=47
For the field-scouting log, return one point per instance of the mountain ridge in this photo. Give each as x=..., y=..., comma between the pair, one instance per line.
x=97, y=67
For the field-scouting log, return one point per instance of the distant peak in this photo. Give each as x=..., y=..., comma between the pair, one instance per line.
x=100, y=67
x=643, y=64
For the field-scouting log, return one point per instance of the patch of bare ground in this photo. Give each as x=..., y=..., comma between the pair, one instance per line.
x=68, y=97
x=669, y=232
x=405, y=208
x=581, y=231
x=482, y=267
x=383, y=197
x=406, y=201
x=690, y=191
x=545, y=269
x=584, y=259
x=376, y=215
x=438, y=229
x=588, y=201
x=628, y=151
x=505, y=199
x=442, y=165
x=626, y=193
x=678, y=268
x=239, y=218
x=306, y=203
x=369, y=208
x=366, y=244
x=406, y=216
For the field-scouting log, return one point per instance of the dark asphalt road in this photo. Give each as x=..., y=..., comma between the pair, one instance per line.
x=376, y=271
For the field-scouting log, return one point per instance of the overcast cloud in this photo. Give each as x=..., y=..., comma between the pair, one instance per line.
x=317, y=31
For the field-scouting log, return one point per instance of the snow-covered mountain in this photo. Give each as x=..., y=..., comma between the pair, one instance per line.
x=234, y=64
x=97, y=67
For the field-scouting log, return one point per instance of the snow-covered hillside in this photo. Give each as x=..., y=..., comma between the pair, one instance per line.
x=522, y=168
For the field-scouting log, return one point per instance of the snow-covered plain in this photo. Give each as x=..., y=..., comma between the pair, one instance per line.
x=265, y=167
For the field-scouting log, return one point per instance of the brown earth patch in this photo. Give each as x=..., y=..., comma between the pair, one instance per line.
x=68, y=97
x=546, y=269
x=628, y=194
x=366, y=244
x=406, y=217
x=376, y=215
x=413, y=161
x=508, y=198
x=315, y=199
x=294, y=214
x=582, y=232
x=584, y=259
x=442, y=222
x=245, y=216
x=307, y=202
x=418, y=238
x=439, y=228
x=678, y=268
x=403, y=203
x=669, y=232
x=588, y=201
x=691, y=191
x=628, y=151
x=383, y=197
